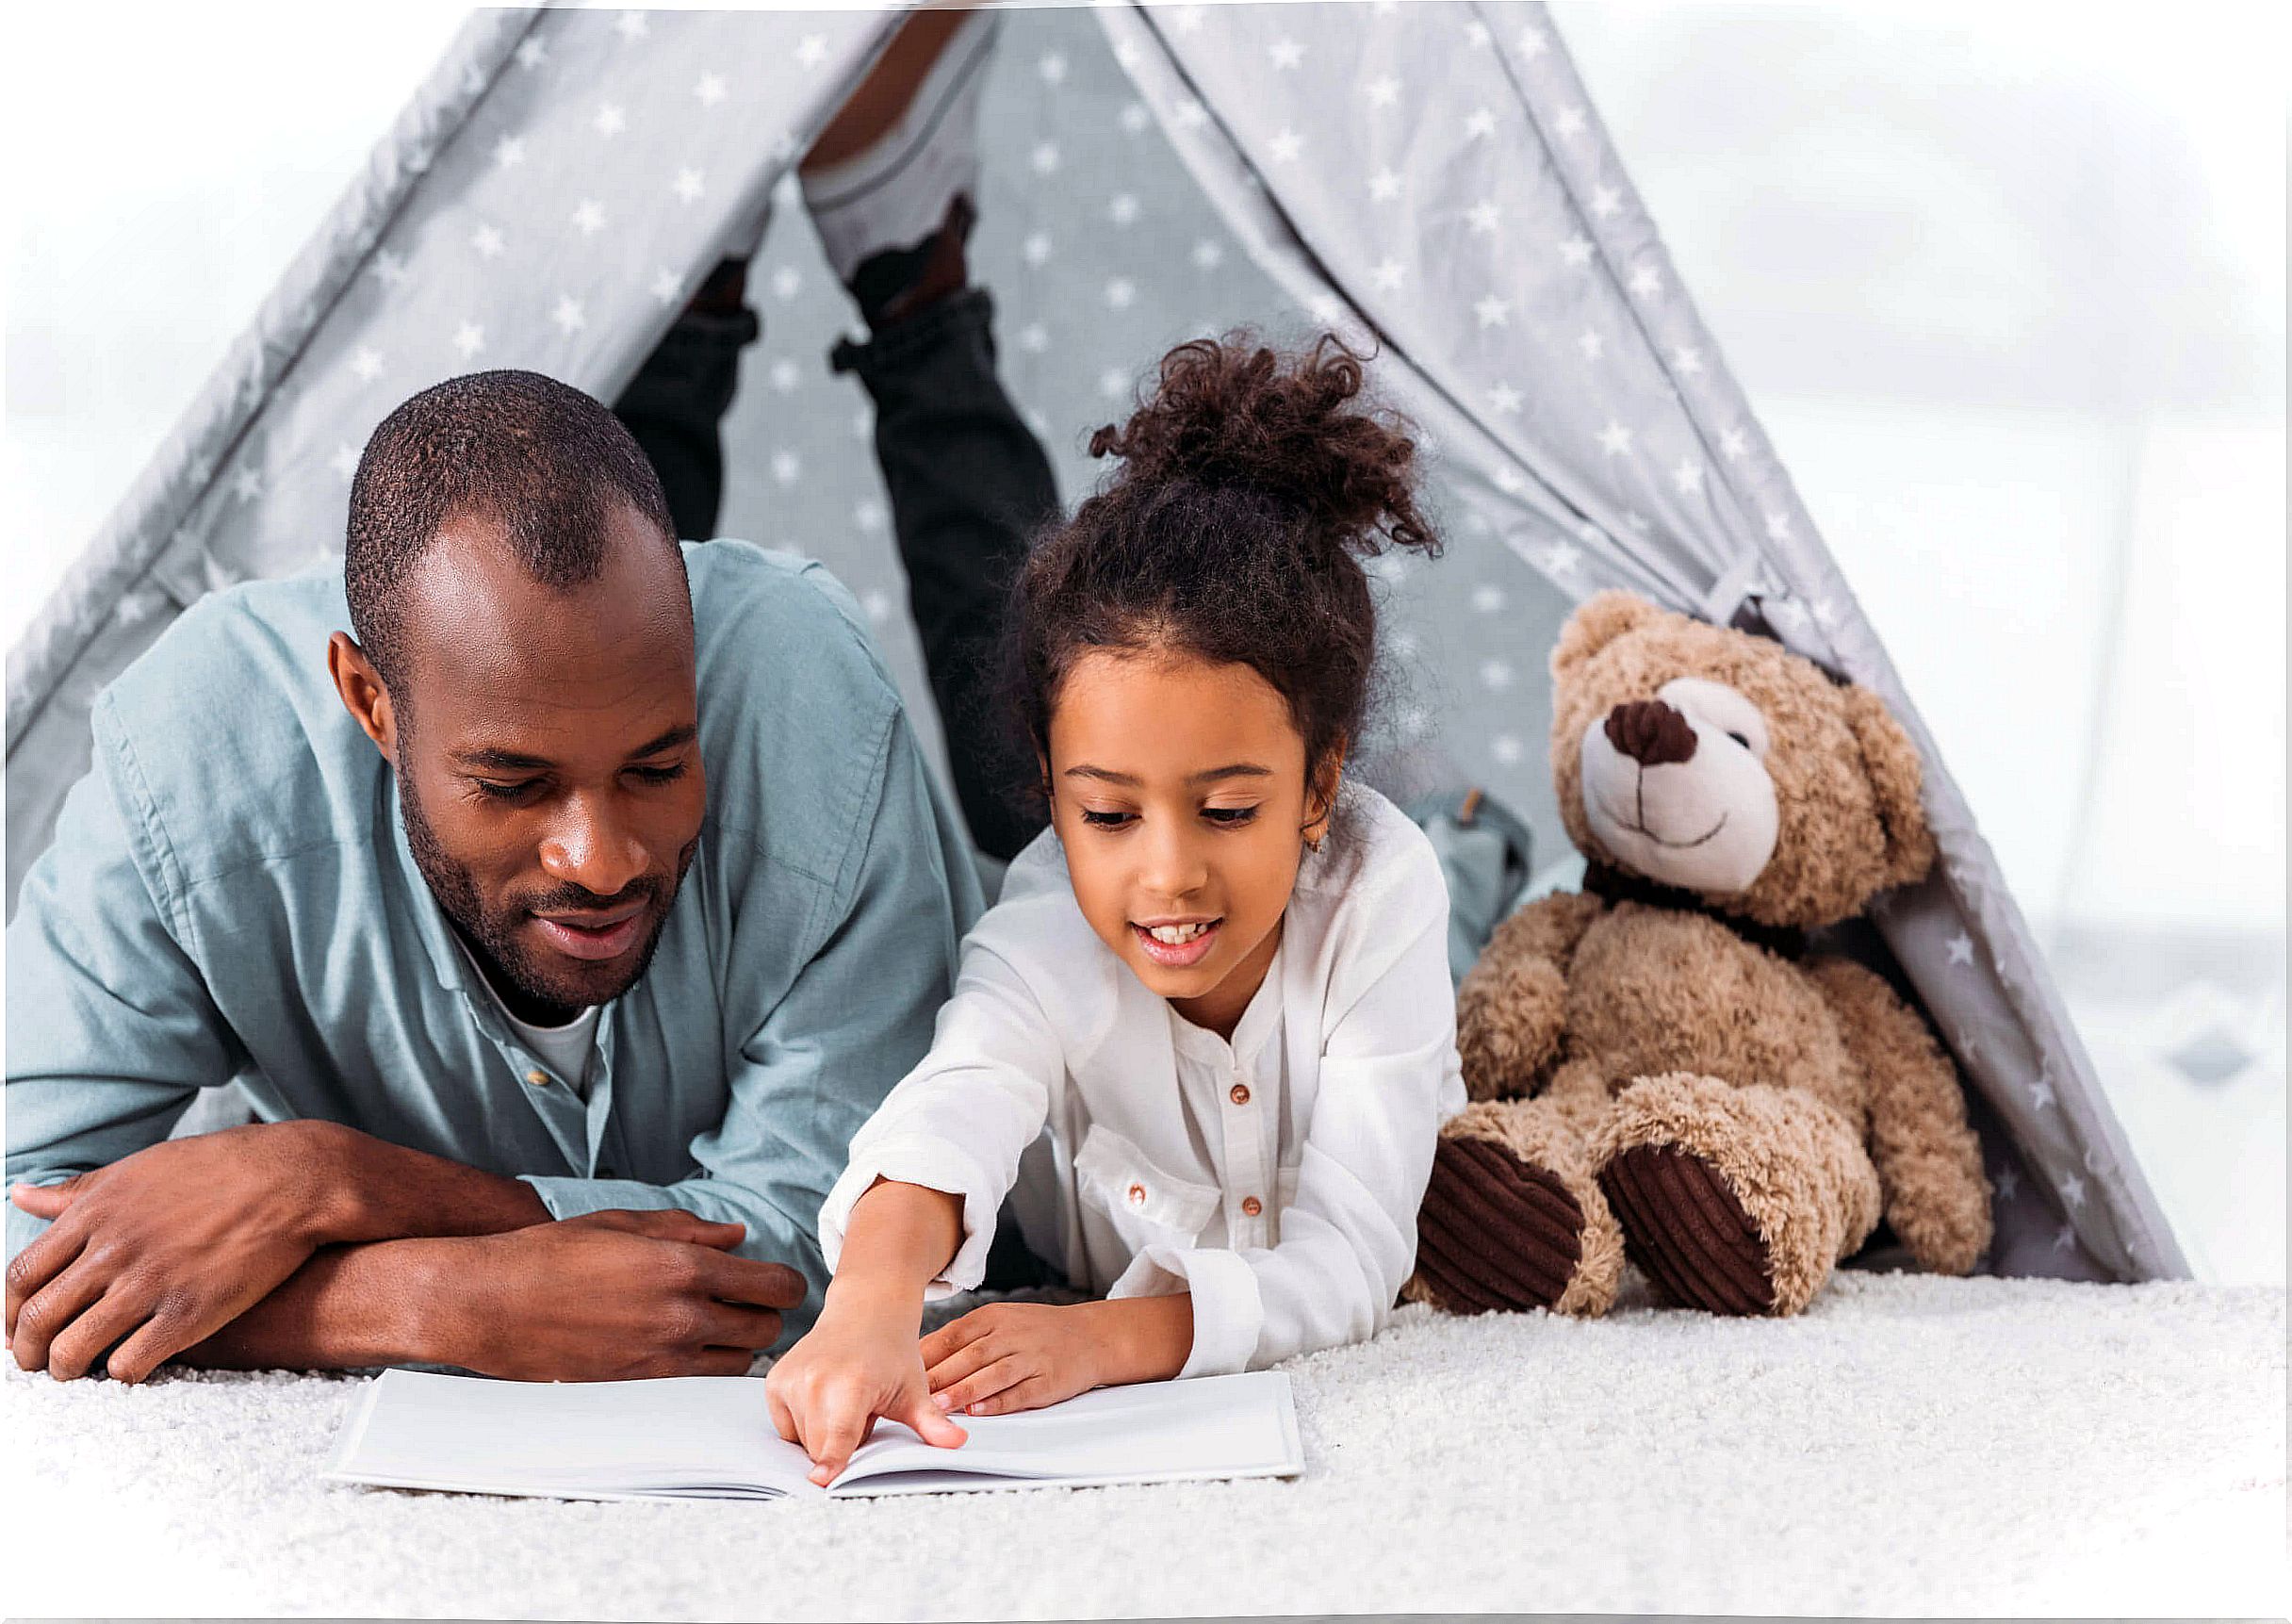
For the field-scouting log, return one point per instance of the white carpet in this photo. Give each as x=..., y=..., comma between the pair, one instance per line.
x=1911, y=1445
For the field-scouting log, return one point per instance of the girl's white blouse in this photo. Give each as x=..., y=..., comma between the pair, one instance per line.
x=1276, y=1177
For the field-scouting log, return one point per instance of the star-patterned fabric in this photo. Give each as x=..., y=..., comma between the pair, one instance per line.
x=1430, y=181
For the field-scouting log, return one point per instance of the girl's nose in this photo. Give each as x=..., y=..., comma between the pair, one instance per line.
x=1173, y=865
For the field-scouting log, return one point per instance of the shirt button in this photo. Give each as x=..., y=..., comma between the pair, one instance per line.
x=1239, y=1093
x=1137, y=1195
x=1252, y=1207
x=538, y=1077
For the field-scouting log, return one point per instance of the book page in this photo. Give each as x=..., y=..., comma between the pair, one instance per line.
x=1210, y=1426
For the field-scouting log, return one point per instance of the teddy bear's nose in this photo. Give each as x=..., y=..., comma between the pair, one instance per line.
x=1650, y=732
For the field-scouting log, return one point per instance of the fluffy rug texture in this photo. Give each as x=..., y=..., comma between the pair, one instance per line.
x=1909, y=1445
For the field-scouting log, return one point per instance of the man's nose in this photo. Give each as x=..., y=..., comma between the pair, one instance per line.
x=593, y=851
x=1650, y=732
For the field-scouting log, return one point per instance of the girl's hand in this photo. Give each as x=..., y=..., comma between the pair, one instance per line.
x=1011, y=1356
x=856, y=1365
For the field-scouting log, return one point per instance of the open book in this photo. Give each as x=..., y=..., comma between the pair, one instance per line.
x=712, y=1437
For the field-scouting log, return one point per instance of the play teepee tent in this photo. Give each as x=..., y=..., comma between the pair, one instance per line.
x=1428, y=179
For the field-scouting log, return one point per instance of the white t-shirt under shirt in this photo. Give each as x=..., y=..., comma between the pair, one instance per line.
x=1277, y=1177
x=564, y=1050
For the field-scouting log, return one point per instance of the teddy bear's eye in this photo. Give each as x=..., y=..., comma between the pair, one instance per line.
x=1739, y=738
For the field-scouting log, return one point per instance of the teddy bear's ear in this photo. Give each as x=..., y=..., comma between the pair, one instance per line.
x=1892, y=762
x=1598, y=621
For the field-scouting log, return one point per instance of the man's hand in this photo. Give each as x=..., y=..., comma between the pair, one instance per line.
x=607, y=1296
x=859, y=1362
x=165, y=1247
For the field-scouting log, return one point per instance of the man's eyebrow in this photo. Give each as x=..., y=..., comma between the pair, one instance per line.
x=683, y=734
x=493, y=757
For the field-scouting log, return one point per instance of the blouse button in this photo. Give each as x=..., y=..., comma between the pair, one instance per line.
x=1252, y=1207
x=1239, y=1093
x=538, y=1077
x=1137, y=1195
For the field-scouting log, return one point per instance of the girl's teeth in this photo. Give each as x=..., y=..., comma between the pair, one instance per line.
x=1176, y=935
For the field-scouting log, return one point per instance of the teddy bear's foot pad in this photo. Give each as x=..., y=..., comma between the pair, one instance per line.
x=1686, y=1231
x=1495, y=1232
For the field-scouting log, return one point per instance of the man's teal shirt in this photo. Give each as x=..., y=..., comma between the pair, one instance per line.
x=230, y=896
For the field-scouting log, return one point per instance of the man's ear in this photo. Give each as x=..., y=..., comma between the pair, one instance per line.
x=363, y=693
x=1892, y=762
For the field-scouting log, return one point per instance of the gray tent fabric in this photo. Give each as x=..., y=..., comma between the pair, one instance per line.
x=1430, y=181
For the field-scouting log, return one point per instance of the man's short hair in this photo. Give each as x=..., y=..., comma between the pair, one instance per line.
x=534, y=457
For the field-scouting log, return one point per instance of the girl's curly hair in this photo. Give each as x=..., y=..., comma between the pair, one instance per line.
x=1252, y=486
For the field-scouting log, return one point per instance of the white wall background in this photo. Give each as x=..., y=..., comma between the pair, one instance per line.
x=2006, y=284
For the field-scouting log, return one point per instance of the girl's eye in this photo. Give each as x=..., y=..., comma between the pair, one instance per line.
x=515, y=791
x=1229, y=816
x=658, y=775
x=1104, y=819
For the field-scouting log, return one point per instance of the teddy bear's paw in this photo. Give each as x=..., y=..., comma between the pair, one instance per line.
x=1687, y=1231
x=1494, y=1232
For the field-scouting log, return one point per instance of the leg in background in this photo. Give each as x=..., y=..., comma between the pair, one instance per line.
x=675, y=405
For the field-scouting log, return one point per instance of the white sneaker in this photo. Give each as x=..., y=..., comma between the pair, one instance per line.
x=895, y=192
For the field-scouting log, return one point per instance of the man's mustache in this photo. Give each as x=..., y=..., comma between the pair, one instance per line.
x=571, y=899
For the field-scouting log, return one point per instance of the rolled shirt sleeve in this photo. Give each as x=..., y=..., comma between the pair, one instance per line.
x=1388, y=1079
x=823, y=1056
x=960, y=1120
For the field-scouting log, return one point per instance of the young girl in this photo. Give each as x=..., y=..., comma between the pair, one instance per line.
x=1219, y=979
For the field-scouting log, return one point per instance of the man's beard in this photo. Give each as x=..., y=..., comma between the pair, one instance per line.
x=491, y=934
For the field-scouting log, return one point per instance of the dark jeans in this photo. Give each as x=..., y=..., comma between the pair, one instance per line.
x=968, y=484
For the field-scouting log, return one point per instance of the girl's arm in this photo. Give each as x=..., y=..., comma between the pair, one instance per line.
x=861, y=1360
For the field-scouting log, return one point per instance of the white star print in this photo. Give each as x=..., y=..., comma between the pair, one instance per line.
x=1495, y=675
x=1489, y=598
x=1592, y=533
x=1113, y=381
x=1186, y=19
x=1732, y=444
x=469, y=339
x=1569, y=122
x=246, y=485
x=1389, y=276
x=1532, y=43
x=1825, y=612
x=389, y=269
x=868, y=516
x=787, y=466
x=1492, y=312
x=1688, y=476
x=1687, y=363
x=877, y=603
x=1961, y=948
x=1614, y=439
x=1034, y=338
x=1208, y=255
x=1969, y=1047
x=488, y=242
x=689, y=185
x=1123, y=210
x=509, y=152
x=784, y=148
x=786, y=375
x=1383, y=185
x=631, y=25
x=812, y=50
x=1646, y=283
x=2072, y=1190
x=1778, y=527
x=1504, y=398
x=1122, y=293
x=1480, y=125
x=710, y=90
x=1506, y=748
x=1476, y=34
x=1636, y=522
x=2007, y=1183
x=1509, y=480
x=1036, y=250
x=345, y=460
x=366, y=364
x=1560, y=558
x=590, y=217
x=1188, y=114
x=1383, y=92
x=1328, y=309
x=787, y=282
x=611, y=120
x=2040, y=1095
x=1483, y=216
x=668, y=286
x=1053, y=67
x=2065, y=1239
x=1045, y=157
x=1576, y=250
x=1285, y=146
x=1592, y=344
x=568, y=315
x=1287, y=54
x=1606, y=201
x=532, y=53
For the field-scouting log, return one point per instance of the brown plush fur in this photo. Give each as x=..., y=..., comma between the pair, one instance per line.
x=1816, y=1096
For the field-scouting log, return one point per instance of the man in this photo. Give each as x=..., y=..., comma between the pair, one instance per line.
x=587, y=879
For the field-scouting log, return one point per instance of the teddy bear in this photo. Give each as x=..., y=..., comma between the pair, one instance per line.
x=1662, y=1066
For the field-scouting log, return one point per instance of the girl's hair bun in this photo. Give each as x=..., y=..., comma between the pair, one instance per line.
x=1233, y=413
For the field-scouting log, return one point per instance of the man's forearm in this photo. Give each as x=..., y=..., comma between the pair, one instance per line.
x=383, y=1191
x=347, y=1308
